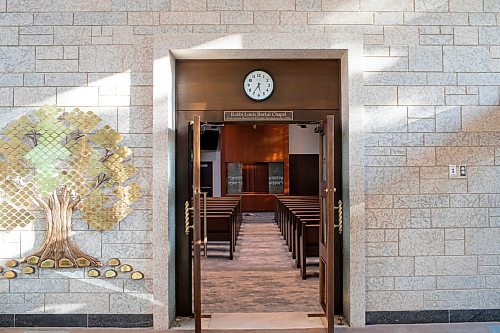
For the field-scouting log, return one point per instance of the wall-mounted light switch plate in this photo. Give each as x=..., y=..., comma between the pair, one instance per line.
x=453, y=171
x=462, y=171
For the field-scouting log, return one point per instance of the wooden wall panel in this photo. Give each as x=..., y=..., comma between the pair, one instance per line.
x=217, y=84
x=304, y=174
x=246, y=144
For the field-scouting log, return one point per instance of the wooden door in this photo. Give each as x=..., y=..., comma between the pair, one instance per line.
x=195, y=160
x=326, y=234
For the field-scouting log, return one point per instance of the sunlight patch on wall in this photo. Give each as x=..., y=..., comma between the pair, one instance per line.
x=227, y=42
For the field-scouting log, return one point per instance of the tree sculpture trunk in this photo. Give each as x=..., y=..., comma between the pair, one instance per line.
x=58, y=250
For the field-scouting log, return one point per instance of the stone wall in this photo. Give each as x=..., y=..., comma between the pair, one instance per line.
x=432, y=95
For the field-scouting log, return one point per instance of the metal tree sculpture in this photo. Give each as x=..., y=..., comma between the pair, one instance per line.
x=63, y=162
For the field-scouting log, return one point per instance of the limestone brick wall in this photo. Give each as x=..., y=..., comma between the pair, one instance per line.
x=432, y=95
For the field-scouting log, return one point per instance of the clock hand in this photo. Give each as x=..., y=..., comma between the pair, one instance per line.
x=258, y=87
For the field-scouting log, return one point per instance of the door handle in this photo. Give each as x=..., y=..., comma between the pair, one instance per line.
x=340, y=225
x=187, y=209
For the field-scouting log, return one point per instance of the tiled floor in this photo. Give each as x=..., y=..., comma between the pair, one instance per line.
x=261, y=278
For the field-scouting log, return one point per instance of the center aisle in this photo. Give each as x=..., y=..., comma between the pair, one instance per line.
x=261, y=278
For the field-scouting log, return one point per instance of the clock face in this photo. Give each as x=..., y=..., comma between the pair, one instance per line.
x=258, y=85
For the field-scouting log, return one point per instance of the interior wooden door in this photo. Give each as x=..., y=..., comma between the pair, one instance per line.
x=326, y=234
x=195, y=160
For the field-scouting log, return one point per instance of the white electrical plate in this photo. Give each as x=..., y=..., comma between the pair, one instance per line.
x=453, y=171
x=457, y=171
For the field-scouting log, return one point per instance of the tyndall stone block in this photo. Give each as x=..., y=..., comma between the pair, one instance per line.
x=96, y=286
x=387, y=218
x=36, y=39
x=491, y=6
x=455, y=59
x=6, y=97
x=73, y=35
x=380, y=283
x=415, y=242
x=431, y=6
x=482, y=240
x=382, y=249
x=454, y=247
x=449, y=299
x=84, y=303
x=395, y=300
x=131, y=303
x=56, y=18
x=445, y=265
x=39, y=285
x=387, y=5
x=426, y=58
x=238, y=5
x=460, y=282
x=465, y=155
x=9, y=35
x=34, y=96
x=421, y=156
x=17, y=59
x=415, y=283
x=394, y=180
x=466, y=35
x=386, y=119
x=421, y=95
x=480, y=119
x=459, y=217
x=464, y=6
x=484, y=179
x=387, y=266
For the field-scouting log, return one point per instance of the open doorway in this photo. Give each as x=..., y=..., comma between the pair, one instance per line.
x=310, y=102
x=258, y=162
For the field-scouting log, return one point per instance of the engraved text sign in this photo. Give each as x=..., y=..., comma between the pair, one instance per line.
x=258, y=116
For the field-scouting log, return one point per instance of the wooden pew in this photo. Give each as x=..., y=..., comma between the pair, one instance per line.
x=282, y=204
x=294, y=207
x=309, y=245
x=298, y=219
x=297, y=213
x=223, y=216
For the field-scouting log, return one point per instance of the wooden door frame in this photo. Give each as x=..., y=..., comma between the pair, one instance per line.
x=183, y=261
x=169, y=47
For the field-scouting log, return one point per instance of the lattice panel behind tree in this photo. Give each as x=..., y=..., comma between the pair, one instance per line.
x=61, y=162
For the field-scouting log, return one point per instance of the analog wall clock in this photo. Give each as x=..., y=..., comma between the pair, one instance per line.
x=258, y=85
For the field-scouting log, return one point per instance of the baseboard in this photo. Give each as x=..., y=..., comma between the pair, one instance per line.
x=432, y=316
x=77, y=320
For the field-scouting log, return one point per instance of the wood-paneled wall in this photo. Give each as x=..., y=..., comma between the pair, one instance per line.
x=247, y=143
x=212, y=85
x=304, y=174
